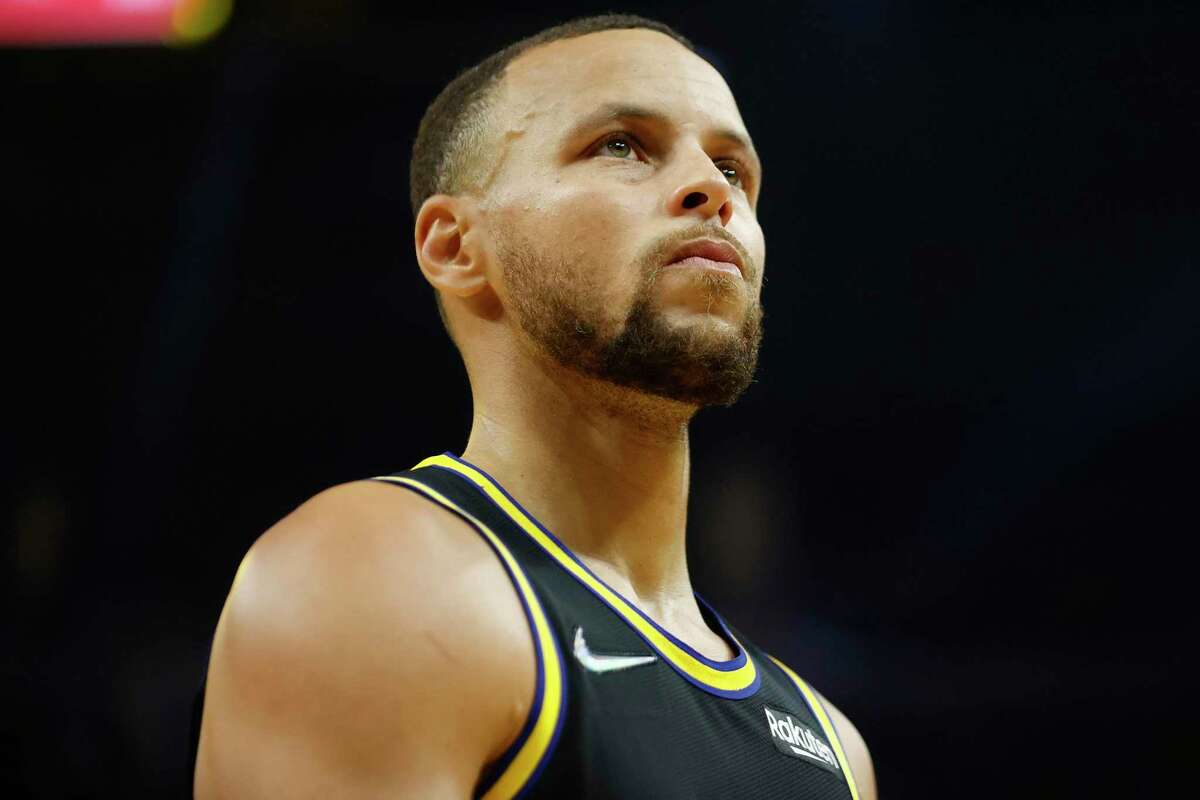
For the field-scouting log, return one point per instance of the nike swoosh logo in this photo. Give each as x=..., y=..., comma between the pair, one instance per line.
x=603, y=663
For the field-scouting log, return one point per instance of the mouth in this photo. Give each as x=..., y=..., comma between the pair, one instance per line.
x=708, y=254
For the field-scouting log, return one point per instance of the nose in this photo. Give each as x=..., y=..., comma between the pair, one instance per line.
x=706, y=193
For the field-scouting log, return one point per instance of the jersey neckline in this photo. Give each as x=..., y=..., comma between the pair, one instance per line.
x=736, y=678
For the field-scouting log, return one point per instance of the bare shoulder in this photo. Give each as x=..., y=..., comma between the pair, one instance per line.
x=856, y=750
x=371, y=644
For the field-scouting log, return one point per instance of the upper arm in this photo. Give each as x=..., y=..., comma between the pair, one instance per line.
x=856, y=751
x=371, y=644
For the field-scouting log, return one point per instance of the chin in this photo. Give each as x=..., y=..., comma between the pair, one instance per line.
x=721, y=321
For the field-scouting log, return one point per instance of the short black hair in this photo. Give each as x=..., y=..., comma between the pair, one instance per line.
x=451, y=141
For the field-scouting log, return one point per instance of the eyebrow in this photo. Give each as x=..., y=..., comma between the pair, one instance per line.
x=612, y=112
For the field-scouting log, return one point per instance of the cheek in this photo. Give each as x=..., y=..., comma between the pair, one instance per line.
x=753, y=240
x=591, y=235
x=762, y=260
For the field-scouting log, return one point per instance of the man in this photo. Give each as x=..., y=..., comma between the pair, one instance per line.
x=520, y=620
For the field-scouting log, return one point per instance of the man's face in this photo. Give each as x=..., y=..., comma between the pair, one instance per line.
x=615, y=149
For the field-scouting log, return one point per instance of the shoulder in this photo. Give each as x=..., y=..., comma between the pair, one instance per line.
x=359, y=537
x=367, y=632
x=365, y=562
x=855, y=748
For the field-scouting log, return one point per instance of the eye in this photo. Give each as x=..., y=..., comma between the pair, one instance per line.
x=733, y=171
x=619, y=145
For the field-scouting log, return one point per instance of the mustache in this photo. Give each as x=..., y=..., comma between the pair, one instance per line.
x=663, y=248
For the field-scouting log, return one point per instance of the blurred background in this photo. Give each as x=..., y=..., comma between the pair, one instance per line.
x=957, y=500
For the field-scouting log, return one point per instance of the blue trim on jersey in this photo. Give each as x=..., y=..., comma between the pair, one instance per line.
x=724, y=666
x=500, y=765
x=532, y=780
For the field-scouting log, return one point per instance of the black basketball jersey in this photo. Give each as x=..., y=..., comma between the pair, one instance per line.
x=623, y=709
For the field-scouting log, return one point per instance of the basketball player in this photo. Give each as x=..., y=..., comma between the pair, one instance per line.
x=519, y=620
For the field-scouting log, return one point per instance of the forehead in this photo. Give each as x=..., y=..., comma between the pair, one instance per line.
x=557, y=83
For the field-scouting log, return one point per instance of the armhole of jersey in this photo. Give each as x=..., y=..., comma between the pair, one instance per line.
x=519, y=767
x=818, y=711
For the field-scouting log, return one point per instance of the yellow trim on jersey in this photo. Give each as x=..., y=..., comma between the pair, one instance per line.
x=826, y=724
x=729, y=681
x=527, y=759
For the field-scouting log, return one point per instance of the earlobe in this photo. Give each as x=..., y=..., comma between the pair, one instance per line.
x=448, y=247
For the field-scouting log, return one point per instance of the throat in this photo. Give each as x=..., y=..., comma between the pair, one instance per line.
x=677, y=612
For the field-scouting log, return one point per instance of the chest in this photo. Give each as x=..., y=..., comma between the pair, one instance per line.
x=640, y=731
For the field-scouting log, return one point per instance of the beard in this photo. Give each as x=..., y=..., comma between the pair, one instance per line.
x=561, y=307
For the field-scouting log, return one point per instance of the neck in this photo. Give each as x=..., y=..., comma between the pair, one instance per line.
x=606, y=470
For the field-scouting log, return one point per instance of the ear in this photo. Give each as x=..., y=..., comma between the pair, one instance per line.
x=450, y=246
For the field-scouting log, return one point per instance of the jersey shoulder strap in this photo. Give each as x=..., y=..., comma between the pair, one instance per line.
x=524, y=760
x=813, y=701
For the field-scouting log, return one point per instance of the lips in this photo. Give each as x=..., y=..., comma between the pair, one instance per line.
x=711, y=249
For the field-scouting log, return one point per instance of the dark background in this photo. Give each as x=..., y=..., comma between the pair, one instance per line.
x=958, y=500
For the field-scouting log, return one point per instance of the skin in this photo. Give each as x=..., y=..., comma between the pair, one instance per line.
x=367, y=644
x=544, y=431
